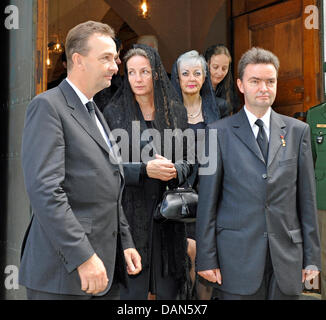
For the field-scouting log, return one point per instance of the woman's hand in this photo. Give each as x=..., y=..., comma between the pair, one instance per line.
x=161, y=168
x=133, y=261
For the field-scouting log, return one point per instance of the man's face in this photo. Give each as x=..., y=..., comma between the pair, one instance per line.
x=258, y=85
x=99, y=64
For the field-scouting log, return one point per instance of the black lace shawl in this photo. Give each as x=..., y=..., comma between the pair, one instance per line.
x=170, y=113
x=210, y=106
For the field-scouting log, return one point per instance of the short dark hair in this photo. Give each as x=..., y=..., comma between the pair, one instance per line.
x=257, y=55
x=77, y=38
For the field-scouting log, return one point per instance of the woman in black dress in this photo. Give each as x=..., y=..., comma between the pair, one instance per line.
x=144, y=107
x=191, y=79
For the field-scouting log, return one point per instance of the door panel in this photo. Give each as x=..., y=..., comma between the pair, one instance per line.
x=280, y=29
x=244, y=6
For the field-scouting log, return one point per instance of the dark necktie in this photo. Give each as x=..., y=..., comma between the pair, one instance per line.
x=91, y=109
x=262, y=139
x=90, y=105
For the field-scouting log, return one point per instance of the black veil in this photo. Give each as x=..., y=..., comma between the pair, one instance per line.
x=170, y=113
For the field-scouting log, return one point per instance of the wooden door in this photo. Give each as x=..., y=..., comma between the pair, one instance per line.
x=245, y=6
x=281, y=29
x=41, y=46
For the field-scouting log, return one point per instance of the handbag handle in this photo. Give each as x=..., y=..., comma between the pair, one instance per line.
x=187, y=183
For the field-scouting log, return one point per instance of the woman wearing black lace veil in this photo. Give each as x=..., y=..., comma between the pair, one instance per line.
x=191, y=79
x=147, y=100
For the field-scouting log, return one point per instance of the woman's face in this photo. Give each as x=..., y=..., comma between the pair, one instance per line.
x=140, y=75
x=191, y=78
x=218, y=68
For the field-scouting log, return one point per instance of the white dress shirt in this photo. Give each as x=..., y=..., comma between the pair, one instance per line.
x=84, y=100
x=266, y=120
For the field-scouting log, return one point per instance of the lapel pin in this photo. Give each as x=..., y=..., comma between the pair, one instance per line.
x=283, y=141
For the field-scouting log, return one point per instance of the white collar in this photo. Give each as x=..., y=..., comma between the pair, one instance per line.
x=265, y=118
x=81, y=96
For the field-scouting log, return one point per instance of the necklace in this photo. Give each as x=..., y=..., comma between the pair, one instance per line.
x=194, y=115
x=148, y=115
x=197, y=113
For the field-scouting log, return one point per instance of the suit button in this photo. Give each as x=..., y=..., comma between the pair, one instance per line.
x=114, y=233
x=116, y=172
x=264, y=176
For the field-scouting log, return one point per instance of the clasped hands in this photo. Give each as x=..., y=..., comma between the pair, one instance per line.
x=93, y=274
x=161, y=168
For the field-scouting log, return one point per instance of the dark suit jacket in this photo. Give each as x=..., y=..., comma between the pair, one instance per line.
x=246, y=206
x=74, y=182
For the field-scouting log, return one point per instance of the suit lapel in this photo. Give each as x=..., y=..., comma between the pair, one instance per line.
x=115, y=148
x=277, y=131
x=80, y=114
x=241, y=128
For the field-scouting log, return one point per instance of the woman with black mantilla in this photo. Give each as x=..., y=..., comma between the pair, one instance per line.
x=147, y=98
x=219, y=62
x=191, y=79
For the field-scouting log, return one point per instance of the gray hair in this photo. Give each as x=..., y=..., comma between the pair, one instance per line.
x=257, y=56
x=192, y=57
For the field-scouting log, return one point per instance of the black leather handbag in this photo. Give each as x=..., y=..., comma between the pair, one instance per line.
x=178, y=204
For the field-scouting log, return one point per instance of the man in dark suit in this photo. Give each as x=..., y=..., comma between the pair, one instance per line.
x=74, y=246
x=257, y=234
